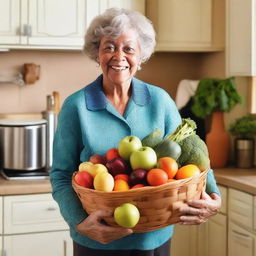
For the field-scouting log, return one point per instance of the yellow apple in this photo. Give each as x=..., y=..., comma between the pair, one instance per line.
x=103, y=181
x=93, y=169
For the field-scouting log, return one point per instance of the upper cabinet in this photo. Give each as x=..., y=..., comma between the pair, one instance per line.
x=241, y=38
x=182, y=25
x=52, y=24
x=42, y=24
x=137, y=5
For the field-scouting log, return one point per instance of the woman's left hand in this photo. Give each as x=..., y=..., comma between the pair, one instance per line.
x=199, y=211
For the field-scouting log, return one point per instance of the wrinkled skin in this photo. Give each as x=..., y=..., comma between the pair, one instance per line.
x=199, y=211
x=94, y=228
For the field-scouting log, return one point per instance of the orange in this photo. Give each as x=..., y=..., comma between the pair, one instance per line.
x=121, y=185
x=112, y=153
x=124, y=177
x=169, y=165
x=138, y=186
x=171, y=180
x=156, y=177
x=187, y=171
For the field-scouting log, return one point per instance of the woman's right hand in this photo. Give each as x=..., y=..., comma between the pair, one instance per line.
x=94, y=228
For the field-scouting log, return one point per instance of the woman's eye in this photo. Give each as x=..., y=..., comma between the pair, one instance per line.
x=109, y=48
x=129, y=49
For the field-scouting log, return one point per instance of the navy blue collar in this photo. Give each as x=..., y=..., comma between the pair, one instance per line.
x=95, y=98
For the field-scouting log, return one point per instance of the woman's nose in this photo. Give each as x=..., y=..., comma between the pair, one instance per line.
x=119, y=54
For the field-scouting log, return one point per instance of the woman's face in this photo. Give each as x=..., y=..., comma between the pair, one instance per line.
x=119, y=58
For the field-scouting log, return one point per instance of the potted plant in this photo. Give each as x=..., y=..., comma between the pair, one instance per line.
x=244, y=130
x=214, y=97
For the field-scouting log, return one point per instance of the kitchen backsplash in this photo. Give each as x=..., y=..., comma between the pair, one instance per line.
x=67, y=72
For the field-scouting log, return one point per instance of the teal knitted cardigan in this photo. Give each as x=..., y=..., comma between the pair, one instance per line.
x=88, y=124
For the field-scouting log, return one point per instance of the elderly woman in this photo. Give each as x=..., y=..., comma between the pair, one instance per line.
x=95, y=118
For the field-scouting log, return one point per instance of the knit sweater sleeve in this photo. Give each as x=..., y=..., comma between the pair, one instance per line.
x=66, y=151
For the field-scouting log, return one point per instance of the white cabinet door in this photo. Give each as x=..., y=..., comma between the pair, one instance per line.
x=184, y=241
x=95, y=7
x=136, y=5
x=240, y=241
x=182, y=25
x=39, y=244
x=241, y=38
x=58, y=22
x=32, y=213
x=1, y=215
x=217, y=235
x=10, y=21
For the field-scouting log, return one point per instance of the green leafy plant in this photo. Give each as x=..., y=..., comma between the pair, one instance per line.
x=215, y=95
x=244, y=127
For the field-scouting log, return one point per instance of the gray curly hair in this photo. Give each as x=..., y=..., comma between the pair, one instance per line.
x=114, y=22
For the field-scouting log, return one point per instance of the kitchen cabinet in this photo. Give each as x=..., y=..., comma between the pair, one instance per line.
x=1, y=215
x=137, y=5
x=241, y=242
x=242, y=232
x=195, y=25
x=39, y=244
x=241, y=38
x=42, y=24
x=32, y=225
x=207, y=239
x=46, y=24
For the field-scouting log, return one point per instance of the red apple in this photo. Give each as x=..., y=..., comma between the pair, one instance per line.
x=97, y=159
x=84, y=179
x=117, y=166
x=138, y=176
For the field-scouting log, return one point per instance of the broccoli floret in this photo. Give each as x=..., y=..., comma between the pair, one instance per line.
x=194, y=151
x=185, y=129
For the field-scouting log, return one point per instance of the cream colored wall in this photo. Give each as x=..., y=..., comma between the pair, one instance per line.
x=67, y=72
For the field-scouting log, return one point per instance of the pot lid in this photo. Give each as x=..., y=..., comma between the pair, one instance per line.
x=21, y=122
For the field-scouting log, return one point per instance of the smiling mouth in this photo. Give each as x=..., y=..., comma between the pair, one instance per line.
x=119, y=67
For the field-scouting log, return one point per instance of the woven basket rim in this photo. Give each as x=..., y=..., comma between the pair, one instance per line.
x=172, y=184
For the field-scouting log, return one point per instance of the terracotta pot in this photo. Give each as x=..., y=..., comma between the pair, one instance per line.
x=218, y=141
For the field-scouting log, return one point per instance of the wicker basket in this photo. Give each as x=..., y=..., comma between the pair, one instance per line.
x=158, y=205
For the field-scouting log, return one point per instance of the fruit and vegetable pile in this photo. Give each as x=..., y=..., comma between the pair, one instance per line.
x=153, y=161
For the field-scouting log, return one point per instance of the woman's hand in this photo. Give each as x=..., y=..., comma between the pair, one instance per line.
x=94, y=227
x=199, y=211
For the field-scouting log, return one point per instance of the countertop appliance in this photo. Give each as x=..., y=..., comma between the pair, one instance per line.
x=23, y=148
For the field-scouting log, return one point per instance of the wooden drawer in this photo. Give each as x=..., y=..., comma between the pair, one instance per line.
x=1, y=215
x=254, y=213
x=240, y=241
x=224, y=193
x=39, y=244
x=31, y=213
x=241, y=208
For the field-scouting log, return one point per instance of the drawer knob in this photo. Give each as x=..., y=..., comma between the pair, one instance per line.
x=50, y=209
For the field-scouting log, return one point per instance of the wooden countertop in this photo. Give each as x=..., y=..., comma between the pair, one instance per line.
x=242, y=179
x=23, y=187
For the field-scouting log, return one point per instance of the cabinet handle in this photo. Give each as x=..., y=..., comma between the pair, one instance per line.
x=51, y=209
x=239, y=234
x=27, y=30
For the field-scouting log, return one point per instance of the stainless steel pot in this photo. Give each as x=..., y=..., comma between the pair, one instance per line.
x=23, y=144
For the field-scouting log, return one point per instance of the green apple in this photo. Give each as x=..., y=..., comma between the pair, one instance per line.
x=127, y=215
x=127, y=145
x=144, y=158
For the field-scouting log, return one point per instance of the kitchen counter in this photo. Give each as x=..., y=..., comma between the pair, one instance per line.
x=22, y=187
x=242, y=179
